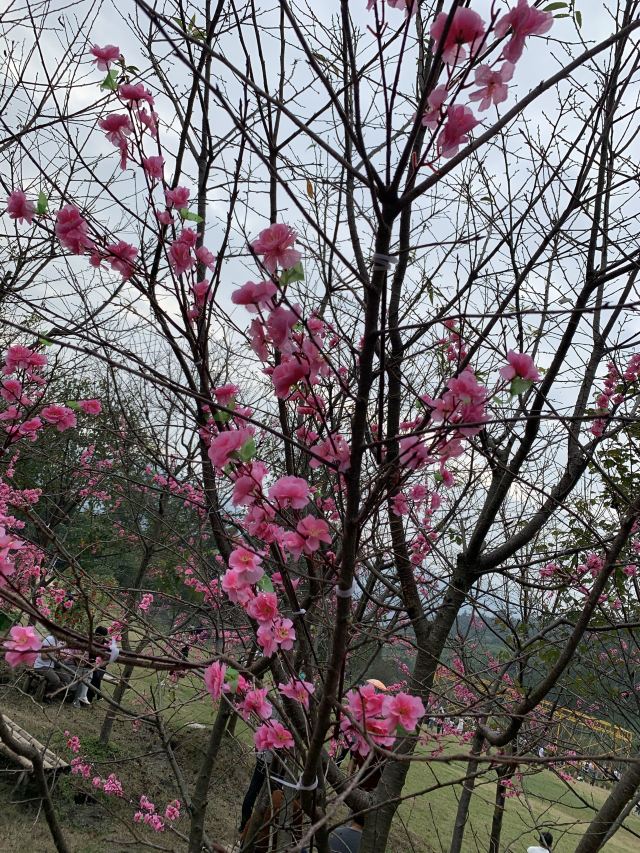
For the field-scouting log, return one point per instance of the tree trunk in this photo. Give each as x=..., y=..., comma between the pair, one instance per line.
x=199, y=801
x=465, y=797
x=118, y=693
x=378, y=823
x=612, y=808
x=498, y=810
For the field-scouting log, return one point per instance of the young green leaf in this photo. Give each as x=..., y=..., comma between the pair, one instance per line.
x=43, y=203
x=247, y=451
x=519, y=386
x=264, y=584
x=293, y=274
x=185, y=213
x=110, y=82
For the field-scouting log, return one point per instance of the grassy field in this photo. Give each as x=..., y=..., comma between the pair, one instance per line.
x=424, y=823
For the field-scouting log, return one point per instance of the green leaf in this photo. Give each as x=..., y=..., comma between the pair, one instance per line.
x=231, y=677
x=578, y=17
x=45, y=342
x=519, y=385
x=222, y=417
x=73, y=405
x=553, y=6
x=292, y=274
x=110, y=82
x=438, y=477
x=43, y=204
x=5, y=621
x=185, y=213
x=247, y=451
x=265, y=584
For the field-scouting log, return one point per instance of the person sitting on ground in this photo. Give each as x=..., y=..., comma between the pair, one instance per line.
x=100, y=651
x=47, y=665
x=347, y=838
x=545, y=844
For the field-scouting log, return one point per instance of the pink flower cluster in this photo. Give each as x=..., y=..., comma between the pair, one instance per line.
x=459, y=38
x=22, y=646
x=275, y=244
x=376, y=718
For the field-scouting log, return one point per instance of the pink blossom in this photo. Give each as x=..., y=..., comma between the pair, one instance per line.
x=226, y=444
x=207, y=258
x=180, y=257
x=289, y=372
x=71, y=230
x=279, y=325
x=462, y=404
x=493, y=85
x=281, y=737
x=273, y=735
x=403, y=710
x=145, y=602
x=113, y=786
x=313, y=531
x=258, y=339
x=400, y=504
x=22, y=646
x=264, y=607
x=135, y=92
x=29, y=429
x=290, y=492
x=226, y=394
x=255, y=295
x=247, y=487
x=105, y=55
x=460, y=120
x=266, y=639
x=146, y=804
x=90, y=407
x=467, y=28
x=284, y=633
x=262, y=738
x=298, y=691
x=22, y=358
x=20, y=208
x=274, y=244
x=178, y=197
x=409, y=6
x=154, y=166
x=431, y=117
x=11, y=390
x=255, y=702
x=172, y=811
x=6, y=566
x=236, y=587
x=413, y=453
x=202, y=292
x=122, y=256
x=117, y=128
x=149, y=121
x=521, y=365
x=62, y=416
x=522, y=21
x=214, y=676
x=247, y=563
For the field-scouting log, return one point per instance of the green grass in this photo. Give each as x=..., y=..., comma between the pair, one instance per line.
x=546, y=803
x=424, y=822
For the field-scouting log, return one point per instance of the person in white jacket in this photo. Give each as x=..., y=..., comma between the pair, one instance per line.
x=544, y=845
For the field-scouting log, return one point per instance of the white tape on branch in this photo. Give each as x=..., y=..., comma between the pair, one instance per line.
x=383, y=262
